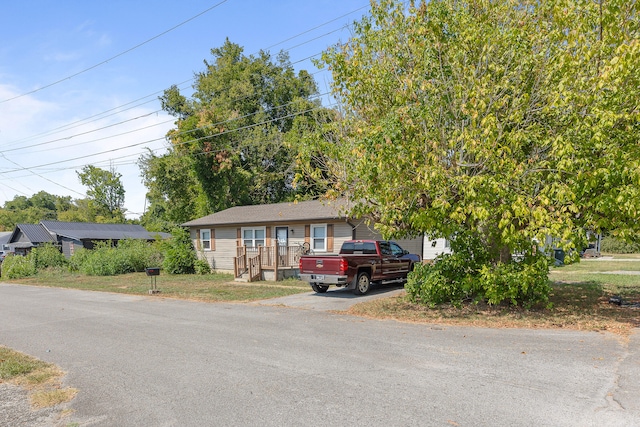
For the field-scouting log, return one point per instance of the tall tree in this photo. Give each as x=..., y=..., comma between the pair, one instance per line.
x=230, y=144
x=511, y=119
x=516, y=118
x=105, y=193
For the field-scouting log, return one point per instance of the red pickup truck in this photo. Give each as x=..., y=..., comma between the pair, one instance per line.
x=359, y=263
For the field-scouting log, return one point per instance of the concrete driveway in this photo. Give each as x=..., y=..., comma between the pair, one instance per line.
x=149, y=361
x=335, y=299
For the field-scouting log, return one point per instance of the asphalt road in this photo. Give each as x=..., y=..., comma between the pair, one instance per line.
x=149, y=361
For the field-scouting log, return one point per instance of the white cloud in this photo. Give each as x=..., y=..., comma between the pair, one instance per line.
x=38, y=157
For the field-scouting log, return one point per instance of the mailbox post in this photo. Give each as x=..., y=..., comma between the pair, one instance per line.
x=153, y=273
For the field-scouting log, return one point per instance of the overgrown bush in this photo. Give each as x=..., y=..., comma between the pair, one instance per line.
x=202, y=267
x=47, y=256
x=521, y=283
x=469, y=274
x=107, y=260
x=612, y=245
x=136, y=255
x=16, y=267
x=179, y=254
x=79, y=257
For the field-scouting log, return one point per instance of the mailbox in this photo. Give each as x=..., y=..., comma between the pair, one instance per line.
x=152, y=271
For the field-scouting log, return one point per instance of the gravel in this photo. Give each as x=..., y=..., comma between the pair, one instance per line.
x=16, y=411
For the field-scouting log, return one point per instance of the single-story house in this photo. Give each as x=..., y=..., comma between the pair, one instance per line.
x=70, y=236
x=266, y=241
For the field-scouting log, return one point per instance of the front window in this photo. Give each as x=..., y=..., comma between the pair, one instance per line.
x=253, y=237
x=205, y=239
x=319, y=237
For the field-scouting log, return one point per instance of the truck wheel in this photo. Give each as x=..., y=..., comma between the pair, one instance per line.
x=321, y=289
x=363, y=283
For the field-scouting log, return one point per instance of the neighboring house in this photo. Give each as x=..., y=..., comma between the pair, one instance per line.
x=266, y=241
x=434, y=247
x=70, y=236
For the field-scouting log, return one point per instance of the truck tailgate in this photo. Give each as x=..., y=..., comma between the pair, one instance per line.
x=320, y=264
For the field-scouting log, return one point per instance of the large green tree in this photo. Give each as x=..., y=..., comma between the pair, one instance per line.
x=514, y=118
x=230, y=144
x=510, y=120
x=105, y=193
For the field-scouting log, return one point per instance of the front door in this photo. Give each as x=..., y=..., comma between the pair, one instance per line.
x=282, y=236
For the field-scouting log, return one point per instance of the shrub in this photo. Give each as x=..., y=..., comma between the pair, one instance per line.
x=136, y=255
x=613, y=245
x=202, y=267
x=107, y=260
x=469, y=274
x=16, y=267
x=48, y=256
x=525, y=282
x=100, y=261
x=444, y=281
x=179, y=254
x=78, y=258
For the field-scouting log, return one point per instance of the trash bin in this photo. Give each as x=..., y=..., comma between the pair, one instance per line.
x=559, y=255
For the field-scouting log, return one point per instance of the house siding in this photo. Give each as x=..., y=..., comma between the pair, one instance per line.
x=435, y=247
x=413, y=245
x=226, y=241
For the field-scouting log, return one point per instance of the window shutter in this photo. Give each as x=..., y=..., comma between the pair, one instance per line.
x=307, y=233
x=239, y=237
x=213, y=239
x=198, y=244
x=329, y=237
x=267, y=242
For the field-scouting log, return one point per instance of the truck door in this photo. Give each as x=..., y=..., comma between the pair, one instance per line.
x=398, y=253
x=391, y=267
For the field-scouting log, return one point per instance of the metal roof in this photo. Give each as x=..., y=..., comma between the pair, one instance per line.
x=86, y=230
x=311, y=210
x=36, y=233
x=4, y=237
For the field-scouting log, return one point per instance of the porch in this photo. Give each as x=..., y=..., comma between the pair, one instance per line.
x=251, y=263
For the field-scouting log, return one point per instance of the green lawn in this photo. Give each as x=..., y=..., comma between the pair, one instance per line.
x=210, y=287
x=609, y=277
x=580, y=300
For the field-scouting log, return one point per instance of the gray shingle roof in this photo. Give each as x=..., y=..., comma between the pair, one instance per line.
x=311, y=210
x=83, y=231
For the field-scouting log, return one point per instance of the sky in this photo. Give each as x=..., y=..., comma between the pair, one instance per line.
x=80, y=80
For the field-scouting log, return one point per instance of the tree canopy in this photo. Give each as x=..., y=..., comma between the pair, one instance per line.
x=495, y=123
x=44, y=206
x=515, y=119
x=230, y=144
x=105, y=193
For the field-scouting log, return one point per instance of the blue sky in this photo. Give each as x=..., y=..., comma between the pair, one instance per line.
x=55, y=117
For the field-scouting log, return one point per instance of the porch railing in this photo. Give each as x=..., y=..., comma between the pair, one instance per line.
x=252, y=260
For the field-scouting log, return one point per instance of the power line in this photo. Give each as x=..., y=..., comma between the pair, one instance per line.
x=191, y=79
x=98, y=116
x=88, y=132
x=114, y=110
x=114, y=57
x=40, y=176
x=158, y=139
x=134, y=130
